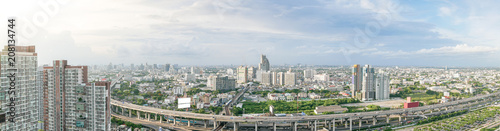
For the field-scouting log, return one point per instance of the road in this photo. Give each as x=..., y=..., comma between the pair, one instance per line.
x=292, y=118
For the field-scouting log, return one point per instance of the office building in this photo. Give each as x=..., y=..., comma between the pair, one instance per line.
x=71, y=102
x=264, y=63
x=167, y=67
x=242, y=75
x=26, y=97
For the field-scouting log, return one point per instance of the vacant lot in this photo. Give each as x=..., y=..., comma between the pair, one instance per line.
x=386, y=103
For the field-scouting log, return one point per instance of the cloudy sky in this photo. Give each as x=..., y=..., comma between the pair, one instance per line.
x=215, y=32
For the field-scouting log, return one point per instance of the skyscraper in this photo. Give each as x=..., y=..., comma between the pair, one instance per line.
x=382, y=86
x=73, y=103
x=25, y=99
x=357, y=79
x=264, y=63
x=368, y=84
x=242, y=74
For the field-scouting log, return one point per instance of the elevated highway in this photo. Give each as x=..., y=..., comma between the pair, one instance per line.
x=125, y=108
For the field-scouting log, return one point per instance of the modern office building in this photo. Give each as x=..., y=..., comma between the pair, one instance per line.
x=27, y=93
x=264, y=63
x=242, y=75
x=290, y=78
x=71, y=102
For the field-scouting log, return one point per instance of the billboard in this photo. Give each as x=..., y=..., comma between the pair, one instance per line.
x=183, y=103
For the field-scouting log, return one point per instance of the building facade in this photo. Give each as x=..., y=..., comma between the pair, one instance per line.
x=71, y=102
x=357, y=80
x=368, y=84
x=382, y=85
x=264, y=63
x=222, y=83
x=242, y=75
x=27, y=93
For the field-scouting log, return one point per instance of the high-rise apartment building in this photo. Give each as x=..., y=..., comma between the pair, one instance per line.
x=267, y=78
x=71, y=102
x=309, y=73
x=368, y=86
x=252, y=71
x=382, y=89
x=221, y=83
x=242, y=74
x=281, y=78
x=26, y=99
x=264, y=63
x=290, y=78
x=357, y=80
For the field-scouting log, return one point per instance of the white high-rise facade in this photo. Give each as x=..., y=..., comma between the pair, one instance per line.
x=242, y=76
x=309, y=73
x=290, y=78
x=26, y=99
x=382, y=89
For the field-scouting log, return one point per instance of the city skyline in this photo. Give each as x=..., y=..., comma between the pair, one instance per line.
x=433, y=33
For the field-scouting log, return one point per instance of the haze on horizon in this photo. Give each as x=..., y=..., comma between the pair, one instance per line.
x=225, y=32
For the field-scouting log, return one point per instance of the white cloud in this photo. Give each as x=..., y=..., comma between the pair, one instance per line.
x=458, y=50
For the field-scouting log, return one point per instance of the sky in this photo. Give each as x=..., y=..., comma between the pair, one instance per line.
x=224, y=32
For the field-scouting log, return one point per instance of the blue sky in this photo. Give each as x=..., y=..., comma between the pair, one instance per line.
x=215, y=32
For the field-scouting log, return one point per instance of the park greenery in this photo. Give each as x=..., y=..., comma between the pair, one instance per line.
x=291, y=107
x=118, y=121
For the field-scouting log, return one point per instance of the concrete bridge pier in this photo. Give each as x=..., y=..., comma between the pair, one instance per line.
x=387, y=118
x=374, y=120
x=138, y=114
x=274, y=126
x=123, y=111
x=333, y=125
x=360, y=122
x=256, y=126
x=294, y=126
x=350, y=124
x=175, y=121
x=129, y=113
x=345, y=123
x=236, y=126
